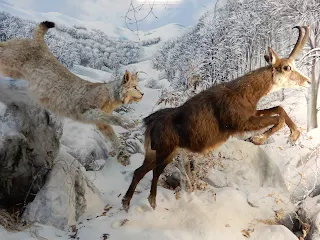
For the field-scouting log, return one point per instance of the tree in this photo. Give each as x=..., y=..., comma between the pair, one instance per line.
x=304, y=12
x=224, y=44
x=230, y=40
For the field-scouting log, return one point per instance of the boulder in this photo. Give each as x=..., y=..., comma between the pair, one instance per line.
x=66, y=195
x=246, y=167
x=85, y=143
x=29, y=143
x=309, y=212
x=273, y=232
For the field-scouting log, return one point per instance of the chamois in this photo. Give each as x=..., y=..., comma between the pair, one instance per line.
x=62, y=92
x=209, y=118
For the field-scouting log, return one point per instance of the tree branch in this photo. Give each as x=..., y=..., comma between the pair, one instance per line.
x=135, y=10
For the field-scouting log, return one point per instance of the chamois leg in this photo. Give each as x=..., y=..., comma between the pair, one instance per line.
x=118, y=149
x=162, y=160
x=294, y=132
x=260, y=122
x=185, y=169
x=189, y=175
x=148, y=164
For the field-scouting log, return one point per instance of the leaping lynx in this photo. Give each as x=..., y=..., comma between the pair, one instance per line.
x=64, y=93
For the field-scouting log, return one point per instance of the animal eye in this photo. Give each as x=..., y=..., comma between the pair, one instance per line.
x=287, y=68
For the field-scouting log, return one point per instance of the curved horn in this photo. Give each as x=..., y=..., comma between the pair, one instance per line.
x=300, y=42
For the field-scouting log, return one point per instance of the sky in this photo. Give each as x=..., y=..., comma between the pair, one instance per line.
x=184, y=12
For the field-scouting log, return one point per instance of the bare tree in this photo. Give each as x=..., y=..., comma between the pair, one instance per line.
x=137, y=12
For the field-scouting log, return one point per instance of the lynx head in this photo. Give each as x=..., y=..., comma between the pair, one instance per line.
x=130, y=91
x=285, y=74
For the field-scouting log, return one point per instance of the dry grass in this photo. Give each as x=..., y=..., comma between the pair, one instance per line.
x=194, y=179
x=12, y=222
x=268, y=221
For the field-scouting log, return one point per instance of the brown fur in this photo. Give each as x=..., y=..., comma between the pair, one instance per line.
x=208, y=119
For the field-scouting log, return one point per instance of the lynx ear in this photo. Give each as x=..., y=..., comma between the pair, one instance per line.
x=126, y=76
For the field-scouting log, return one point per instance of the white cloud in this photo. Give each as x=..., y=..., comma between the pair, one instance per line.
x=109, y=11
x=26, y=4
x=114, y=11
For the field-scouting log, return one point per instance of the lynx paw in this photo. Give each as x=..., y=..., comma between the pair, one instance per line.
x=128, y=124
x=123, y=157
x=113, y=153
x=259, y=139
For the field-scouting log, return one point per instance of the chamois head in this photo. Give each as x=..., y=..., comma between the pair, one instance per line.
x=285, y=74
x=130, y=91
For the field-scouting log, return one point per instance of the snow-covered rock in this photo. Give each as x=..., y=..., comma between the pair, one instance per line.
x=67, y=195
x=309, y=212
x=32, y=163
x=272, y=232
x=133, y=141
x=85, y=143
x=29, y=143
x=248, y=190
x=308, y=169
x=246, y=167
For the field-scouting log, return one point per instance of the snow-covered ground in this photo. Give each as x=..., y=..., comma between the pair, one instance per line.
x=217, y=213
x=225, y=212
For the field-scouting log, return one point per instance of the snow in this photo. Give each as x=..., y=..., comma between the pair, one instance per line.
x=66, y=194
x=166, y=32
x=273, y=233
x=197, y=215
x=84, y=143
x=218, y=213
x=90, y=74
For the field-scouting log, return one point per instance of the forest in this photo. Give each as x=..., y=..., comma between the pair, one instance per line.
x=230, y=40
x=77, y=44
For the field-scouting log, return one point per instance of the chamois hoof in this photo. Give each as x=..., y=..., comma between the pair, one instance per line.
x=294, y=137
x=152, y=202
x=124, y=158
x=125, y=204
x=259, y=139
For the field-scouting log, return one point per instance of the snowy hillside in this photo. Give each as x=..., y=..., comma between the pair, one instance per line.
x=140, y=48
x=267, y=192
x=165, y=32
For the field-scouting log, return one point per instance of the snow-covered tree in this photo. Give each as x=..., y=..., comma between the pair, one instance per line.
x=304, y=12
x=149, y=42
x=230, y=40
x=75, y=45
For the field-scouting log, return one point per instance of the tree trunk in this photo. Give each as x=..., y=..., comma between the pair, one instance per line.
x=312, y=99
